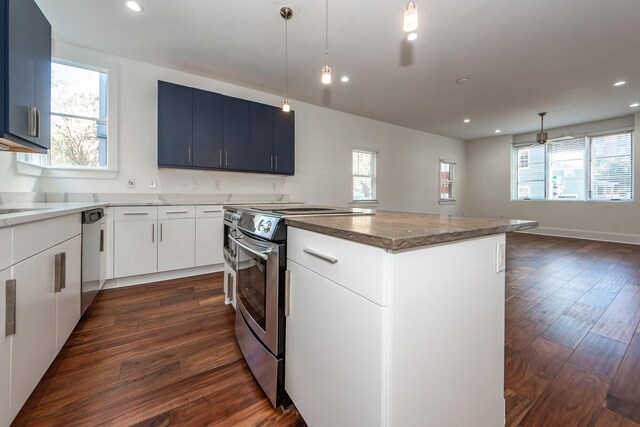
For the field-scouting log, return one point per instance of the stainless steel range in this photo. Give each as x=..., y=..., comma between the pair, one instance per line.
x=260, y=246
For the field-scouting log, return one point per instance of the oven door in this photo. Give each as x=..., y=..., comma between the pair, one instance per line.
x=258, y=289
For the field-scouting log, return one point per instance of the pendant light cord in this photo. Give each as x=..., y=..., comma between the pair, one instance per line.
x=286, y=58
x=326, y=32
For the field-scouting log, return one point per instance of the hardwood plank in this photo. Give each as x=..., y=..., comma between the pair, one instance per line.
x=599, y=355
x=549, y=310
x=597, y=298
x=520, y=333
x=611, y=419
x=624, y=395
x=620, y=320
x=517, y=306
x=584, y=312
x=516, y=408
x=567, y=331
x=573, y=399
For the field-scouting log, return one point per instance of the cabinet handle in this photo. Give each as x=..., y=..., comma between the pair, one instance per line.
x=327, y=258
x=272, y=162
x=218, y=211
x=153, y=233
x=189, y=154
x=276, y=162
x=60, y=272
x=226, y=158
x=37, y=124
x=101, y=240
x=176, y=212
x=220, y=157
x=287, y=293
x=135, y=213
x=161, y=232
x=31, y=121
x=10, y=308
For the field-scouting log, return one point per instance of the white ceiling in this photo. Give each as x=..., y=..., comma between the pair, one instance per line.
x=521, y=57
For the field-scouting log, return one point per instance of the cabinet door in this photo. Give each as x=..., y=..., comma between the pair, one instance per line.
x=207, y=129
x=209, y=241
x=5, y=355
x=42, y=77
x=135, y=248
x=68, y=299
x=284, y=142
x=334, y=352
x=20, y=67
x=237, y=141
x=34, y=343
x=261, y=137
x=177, y=245
x=175, y=128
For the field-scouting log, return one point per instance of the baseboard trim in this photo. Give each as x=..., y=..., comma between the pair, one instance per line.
x=122, y=282
x=600, y=236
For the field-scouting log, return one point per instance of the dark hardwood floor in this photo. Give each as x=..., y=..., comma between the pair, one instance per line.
x=165, y=354
x=572, y=355
x=154, y=355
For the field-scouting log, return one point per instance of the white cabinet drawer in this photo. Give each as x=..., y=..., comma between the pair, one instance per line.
x=136, y=213
x=209, y=211
x=360, y=268
x=176, y=212
x=35, y=237
x=6, y=247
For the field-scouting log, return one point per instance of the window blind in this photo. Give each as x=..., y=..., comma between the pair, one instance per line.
x=567, y=169
x=611, y=167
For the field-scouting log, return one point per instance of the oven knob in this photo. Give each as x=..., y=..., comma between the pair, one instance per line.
x=267, y=226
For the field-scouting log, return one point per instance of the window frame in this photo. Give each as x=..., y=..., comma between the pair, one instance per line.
x=587, y=169
x=375, y=153
x=452, y=181
x=27, y=166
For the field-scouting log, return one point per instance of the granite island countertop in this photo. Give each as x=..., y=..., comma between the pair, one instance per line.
x=402, y=230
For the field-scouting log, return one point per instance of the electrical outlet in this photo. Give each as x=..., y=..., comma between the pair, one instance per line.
x=152, y=183
x=131, y=183
x=501, y=257
x=194, y=184
x=218, y=185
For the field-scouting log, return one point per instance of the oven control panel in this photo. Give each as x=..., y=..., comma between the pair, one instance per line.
x=268, y=227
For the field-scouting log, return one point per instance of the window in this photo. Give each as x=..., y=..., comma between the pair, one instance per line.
x=446, y=181
x=364, y=175
x=585, y=168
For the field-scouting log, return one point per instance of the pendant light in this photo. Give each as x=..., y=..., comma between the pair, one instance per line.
x=287, y=14
x=542, y=136
x=410, y=23
x=326, y=70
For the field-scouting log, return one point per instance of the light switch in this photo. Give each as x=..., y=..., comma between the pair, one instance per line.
x=501, y=257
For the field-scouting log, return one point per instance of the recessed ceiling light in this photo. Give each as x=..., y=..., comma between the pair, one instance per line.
x=462, y=80
x=344, y=79
x=635, y=104
x=134, y=6
x=467, y=120
x=411, y=37
x=498, y=131
x=620, y=83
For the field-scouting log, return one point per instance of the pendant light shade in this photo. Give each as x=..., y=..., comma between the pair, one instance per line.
x=326, y=70
x=542, y=136
x=410, y=17
x=286, y=14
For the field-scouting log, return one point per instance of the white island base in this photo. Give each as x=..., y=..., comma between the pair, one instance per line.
x=406, y=338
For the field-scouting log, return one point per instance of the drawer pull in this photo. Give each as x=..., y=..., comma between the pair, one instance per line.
x=60, y=271
x=10, y=310
x=136, y=213
x=212, y=211
x=176, y=212
x=327, y=258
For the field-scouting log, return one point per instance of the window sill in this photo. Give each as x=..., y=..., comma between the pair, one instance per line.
x=369, y=204
x=446, y=202
x=574, y=200
x=24, y=168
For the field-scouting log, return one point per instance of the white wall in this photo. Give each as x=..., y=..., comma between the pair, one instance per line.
x=488, y=195
x=407, y=161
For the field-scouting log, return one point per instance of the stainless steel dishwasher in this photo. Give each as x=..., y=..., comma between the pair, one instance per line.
x=92, y=242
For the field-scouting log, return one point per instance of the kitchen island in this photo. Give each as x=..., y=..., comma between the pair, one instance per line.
x=397, y=319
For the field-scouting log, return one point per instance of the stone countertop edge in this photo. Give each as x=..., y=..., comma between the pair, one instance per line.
x=419, y=240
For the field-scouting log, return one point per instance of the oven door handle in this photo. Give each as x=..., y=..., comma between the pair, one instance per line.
x=263, y=255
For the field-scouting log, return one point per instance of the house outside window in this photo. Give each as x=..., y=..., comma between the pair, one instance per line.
x=364, y=167
x=598, y=168
x=447, y=183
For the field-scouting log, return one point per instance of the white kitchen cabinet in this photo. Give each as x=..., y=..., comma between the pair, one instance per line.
x=334, y=359
x=177, y=244
x=136, y=241
x=6, y=246
x=68, y=298
x=5, y=354
x=34, y=342
x=209, y=241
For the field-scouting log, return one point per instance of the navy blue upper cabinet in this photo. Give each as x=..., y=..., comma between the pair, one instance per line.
x=262, y=137
x=208, y=146
x=284, y=142
x=175, y=130
x=205, y=130
x=25, y=76
x=236, y=134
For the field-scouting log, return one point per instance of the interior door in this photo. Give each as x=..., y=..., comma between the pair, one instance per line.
x=207, y=129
